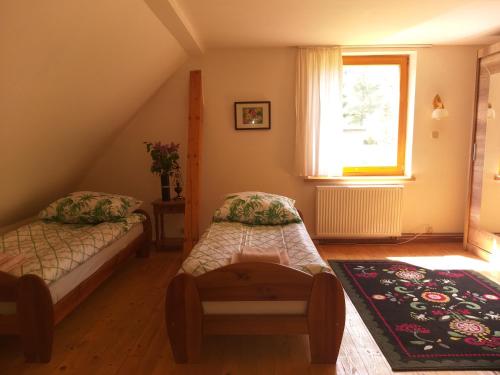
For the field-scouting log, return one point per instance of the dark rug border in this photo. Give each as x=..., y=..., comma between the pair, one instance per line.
x=378, y=332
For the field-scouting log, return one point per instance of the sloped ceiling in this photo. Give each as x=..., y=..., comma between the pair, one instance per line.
x=71, y=74
x=279, y=23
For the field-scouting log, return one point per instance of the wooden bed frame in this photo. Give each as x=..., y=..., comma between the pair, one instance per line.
x=186, y=323
x=324, y=320
x=36, y=315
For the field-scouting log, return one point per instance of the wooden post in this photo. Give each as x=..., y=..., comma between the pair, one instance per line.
x=191, y=226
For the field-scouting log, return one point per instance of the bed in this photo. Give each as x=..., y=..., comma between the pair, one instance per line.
x=211, y=296
x=61, y=265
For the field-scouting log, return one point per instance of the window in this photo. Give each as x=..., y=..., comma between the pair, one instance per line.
x=375, y=100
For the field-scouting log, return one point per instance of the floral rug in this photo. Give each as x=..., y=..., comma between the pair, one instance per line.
x=426, y=319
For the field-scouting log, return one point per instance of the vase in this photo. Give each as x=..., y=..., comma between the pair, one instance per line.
x=165, y=187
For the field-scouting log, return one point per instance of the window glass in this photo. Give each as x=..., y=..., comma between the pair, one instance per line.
x=374, y=114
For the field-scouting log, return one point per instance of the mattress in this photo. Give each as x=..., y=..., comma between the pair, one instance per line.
x=51, y=250
x=222, y=239
x=83, y=270
x=67, y=283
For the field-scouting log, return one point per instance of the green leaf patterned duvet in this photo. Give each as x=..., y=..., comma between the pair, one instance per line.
x=51, y=250
x=222, y=239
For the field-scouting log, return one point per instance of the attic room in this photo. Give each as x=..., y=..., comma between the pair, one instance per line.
x=250, y=187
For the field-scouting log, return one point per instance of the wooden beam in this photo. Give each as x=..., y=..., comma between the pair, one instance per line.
x=176, y=22
x=192, y=193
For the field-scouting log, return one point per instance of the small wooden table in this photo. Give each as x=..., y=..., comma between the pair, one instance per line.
x=160, y=209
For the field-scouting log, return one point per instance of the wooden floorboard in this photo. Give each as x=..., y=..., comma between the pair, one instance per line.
x=120, y=329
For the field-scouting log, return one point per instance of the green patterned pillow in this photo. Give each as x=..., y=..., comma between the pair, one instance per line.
x=88, y=207
x=256, y=208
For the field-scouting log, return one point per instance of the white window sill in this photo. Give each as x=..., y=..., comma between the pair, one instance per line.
x=350, y=180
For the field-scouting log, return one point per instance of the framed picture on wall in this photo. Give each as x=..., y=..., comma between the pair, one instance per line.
x=252, y=115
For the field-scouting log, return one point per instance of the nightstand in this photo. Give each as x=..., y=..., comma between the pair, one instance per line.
x=160, y=209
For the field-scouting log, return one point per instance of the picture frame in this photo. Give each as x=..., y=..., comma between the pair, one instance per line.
x=254, y=115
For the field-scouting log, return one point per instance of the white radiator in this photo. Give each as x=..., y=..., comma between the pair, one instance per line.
x=359, y=211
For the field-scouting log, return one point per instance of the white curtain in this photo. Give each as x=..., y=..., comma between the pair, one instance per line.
x=319, y=147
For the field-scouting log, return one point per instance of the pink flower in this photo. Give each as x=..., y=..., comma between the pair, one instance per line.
x=173, y=147
x=435, y=297
x=165, y=157
x=494, y=342
x=401, y=267
x=454, y=275
x=438, y=312
x=367, y=275
x=491, y=297
x=464, y=311
x=411, y=328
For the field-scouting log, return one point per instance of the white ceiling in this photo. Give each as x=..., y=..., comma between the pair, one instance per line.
x=261, y=23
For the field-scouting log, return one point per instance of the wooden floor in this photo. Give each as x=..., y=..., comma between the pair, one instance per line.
x=120, y=329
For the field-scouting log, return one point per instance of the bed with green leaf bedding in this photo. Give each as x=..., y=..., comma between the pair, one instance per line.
x=259, y=220
x=51, y=250
x=216, y=292
x=49, y=266
x=217, y=245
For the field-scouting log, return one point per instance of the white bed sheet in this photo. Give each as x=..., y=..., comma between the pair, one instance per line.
x=61, y=287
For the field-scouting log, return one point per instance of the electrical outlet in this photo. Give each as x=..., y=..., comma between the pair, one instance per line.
x=428, y=229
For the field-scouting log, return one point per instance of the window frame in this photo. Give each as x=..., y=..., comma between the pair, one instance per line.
x=403, y=62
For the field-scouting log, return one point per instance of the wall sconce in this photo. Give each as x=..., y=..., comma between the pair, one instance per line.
x=491, y=113
x=439, y=111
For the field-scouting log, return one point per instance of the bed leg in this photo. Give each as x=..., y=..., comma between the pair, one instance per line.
x=326, y=318
x=183, y=315
x=144, y=249
x=35, y=313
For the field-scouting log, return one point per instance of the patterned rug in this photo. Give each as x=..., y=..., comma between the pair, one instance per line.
x=426, y=319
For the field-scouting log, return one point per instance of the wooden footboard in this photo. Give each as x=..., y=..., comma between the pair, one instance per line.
x=323, y=321
x=35, y=314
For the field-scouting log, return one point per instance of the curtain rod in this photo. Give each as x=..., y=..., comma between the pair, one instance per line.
x=372, y=46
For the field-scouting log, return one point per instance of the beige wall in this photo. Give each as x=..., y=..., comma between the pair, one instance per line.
x=124, y=167
x=263, y=160
x=437, y=197
x=71, y=74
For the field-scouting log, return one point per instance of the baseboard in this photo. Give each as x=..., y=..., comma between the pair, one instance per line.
x=413, y=237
